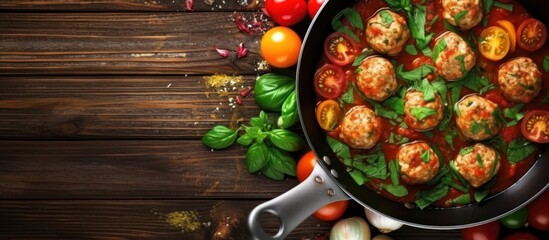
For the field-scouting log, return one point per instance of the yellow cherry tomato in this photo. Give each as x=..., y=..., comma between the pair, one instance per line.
x=494, y=43
x=328, y=113
x=280, y=47
x=510, y=28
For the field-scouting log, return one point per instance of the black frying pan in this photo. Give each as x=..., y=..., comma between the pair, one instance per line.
x=330, y=182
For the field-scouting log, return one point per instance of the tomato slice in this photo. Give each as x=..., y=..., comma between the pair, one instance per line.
x=531, y=34
x=494, y=43
x=329, y=81
x=535, y=126
x=510, y=29
x=328, y=113
x=340, y=49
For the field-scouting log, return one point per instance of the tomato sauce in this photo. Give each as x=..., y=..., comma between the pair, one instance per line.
x=508, y=173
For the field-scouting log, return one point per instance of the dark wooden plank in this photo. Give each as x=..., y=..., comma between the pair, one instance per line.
x=118, y=107
x=125, y=43
x=129, y=170
x=135, y=219
x=130, y=5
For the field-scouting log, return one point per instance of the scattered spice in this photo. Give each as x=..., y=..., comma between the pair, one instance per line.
x=222, y=82
x=251, y=23
x=223, y=52
x=189, y=5
x=184, y=221
x=242, y=51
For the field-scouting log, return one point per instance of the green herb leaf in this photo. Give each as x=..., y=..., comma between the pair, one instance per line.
x=287, y=140
x=479, y=161
x=481, y=194
x=359, y=177
x=546, y=63
x=351, y=15
x=519, y=149
x=426, y=156
x=411, y=49
x=398, y=5
x=339, y=148
x=422, y=112
x=219, y=137
x=395, y=190
x=348, y=97
x=514, y=114
x=449, y=26
x=466, y=150
x=427, y=52
x=416, y=23
x=459, y=16
x=245, y=140
x=257, y=157
x=289, y=114
x=449, y=137
x=365, y=53
x=428, y=90
x=270, y=171
x=386, y=18
x=414, y=75
x=394, y=172
x=435, y=18
x=374, y=167
x=282, y=161
x=488, y=5
x=506, y=6
x=439, y=47
x=461, y=64
x=461, y=200
x=271, y=90
x=428, y=197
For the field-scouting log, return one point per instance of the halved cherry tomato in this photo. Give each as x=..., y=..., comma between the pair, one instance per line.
x=538, y=212
x=510, y=29
x=535, y=126
x=340, y=48
x=488, y=231
x=286, y=12
x=313, y=6
x=531, y=34
x=280, y=47
x=328, y=113
x=494, y=43
x=329, y=81
x=331, y=211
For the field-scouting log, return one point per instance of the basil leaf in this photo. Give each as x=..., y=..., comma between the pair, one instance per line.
x=427, y=52
x=422, y=112
x=487, y=5
x=428, y=90
x=414, y=75
x=386, y=18
x=375, y=166
x=514, y=114
x=461, y=60
x=270, y=172
x=479, y=161
x=271, y=90
x=283, y=162
x=359, y=177
x=506, y=6
x=339, y=148
x=449, y=137
x=461, y=200
x=518, y=150
x=245, y=140
x=398, y=5
x=481, y=194
x=466, y=150
x=289, y=114
x=348, y=97
x=546, y=63
x=396, y=104
x=394, y=172
x=354, y=18
x=458, y=17
x=439, y=47
x=426, y=156
x=395, y=190
x=416, y=23
x=287, y=140
x=411, y=49
x=219, y=137
x=428, y=197
x=365, y=53
x=257, y=157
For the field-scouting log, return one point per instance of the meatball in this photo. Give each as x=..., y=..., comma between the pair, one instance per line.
x=421, y=115
x=520, y=79
x=360, y=128
x=456, y=57
x=464, y=14
x=477, y=164
x=418, y=162
x=376, y=78
x=476, y=117
x=387, y=32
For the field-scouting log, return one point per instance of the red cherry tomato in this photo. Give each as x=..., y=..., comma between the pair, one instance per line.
x=535, y=126
x=521, y=236
x=331, y=211
x=286, y=12
x=488, y=231
x=313, y=6
x=341, y=49
x=531, y=34
x=538, y=212
x=329, y=81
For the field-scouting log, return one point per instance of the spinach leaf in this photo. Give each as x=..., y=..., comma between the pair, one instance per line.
x=219, y=137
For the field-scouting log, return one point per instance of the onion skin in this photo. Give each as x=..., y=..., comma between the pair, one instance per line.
x=354, y=228
x=382, y=223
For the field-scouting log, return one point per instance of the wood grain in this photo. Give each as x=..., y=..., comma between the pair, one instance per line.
x=119, y=107
x=130, y=5
x=129, y=170
x=124, y=43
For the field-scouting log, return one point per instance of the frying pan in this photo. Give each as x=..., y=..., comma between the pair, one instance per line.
x=330, y=182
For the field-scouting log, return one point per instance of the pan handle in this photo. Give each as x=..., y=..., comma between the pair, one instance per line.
x=297, y=204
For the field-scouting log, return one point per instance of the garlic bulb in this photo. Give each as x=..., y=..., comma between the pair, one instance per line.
x=354, y=228
x=382, y=223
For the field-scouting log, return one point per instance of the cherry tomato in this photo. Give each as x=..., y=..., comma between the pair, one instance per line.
x=331, y=211
x=494, y=43
x=286, y=12
x=341, y=49
x=313, y=6
x=488, y=231
x=328, y=113
x=280, y=47
x=329, y=81
x=521, y=236
x=538, y=212
x=516, y=219
x=531, y=34
x=535, y=126
x=510, y=29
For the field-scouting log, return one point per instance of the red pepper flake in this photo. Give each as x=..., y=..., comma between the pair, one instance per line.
x=223, y=52
x=242, y=51
x=189, y=5
x=239, y=100
x=246, y=91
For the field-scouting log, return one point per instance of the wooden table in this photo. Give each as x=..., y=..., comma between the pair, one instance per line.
x=102, y=108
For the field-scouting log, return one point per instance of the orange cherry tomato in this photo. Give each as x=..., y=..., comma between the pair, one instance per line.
x=328, y=113
x=280, y=47
x=531, y=34
x=331, y=211
x=535, y=126
x=510, y=29
x=494, y=43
